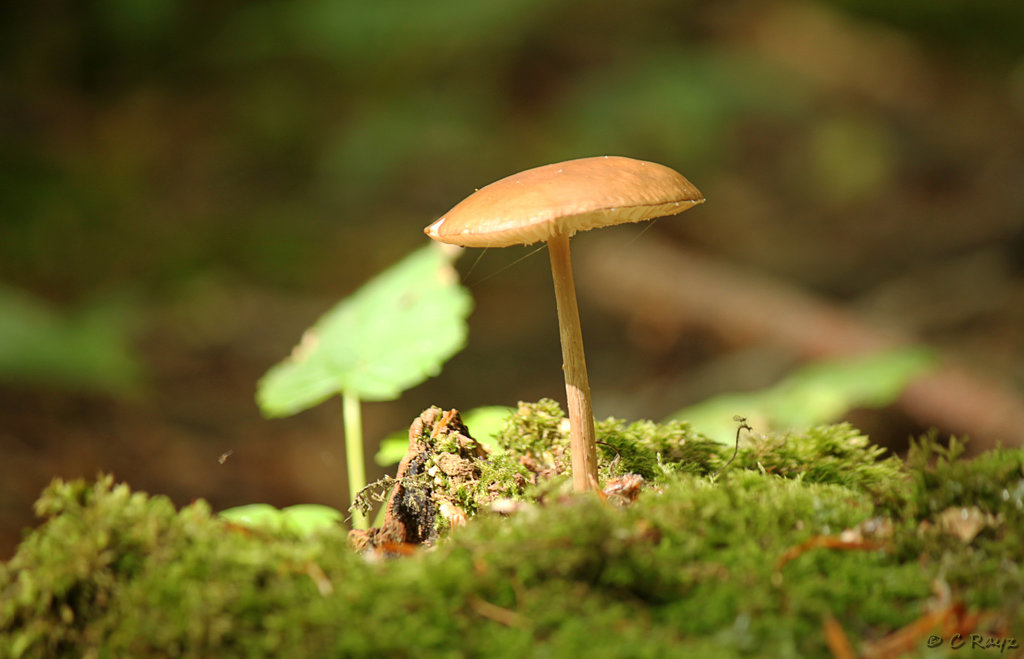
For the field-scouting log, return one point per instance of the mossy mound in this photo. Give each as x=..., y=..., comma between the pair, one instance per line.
x=752, y=560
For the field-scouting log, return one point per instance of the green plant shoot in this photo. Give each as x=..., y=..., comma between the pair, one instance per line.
x=387, y=337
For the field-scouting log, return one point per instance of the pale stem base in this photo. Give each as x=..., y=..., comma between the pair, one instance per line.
x=577, y=386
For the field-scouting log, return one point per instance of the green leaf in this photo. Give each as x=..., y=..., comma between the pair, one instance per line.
x=304, y=519
x=390, y=335
x=815, y=394
x=484, y=423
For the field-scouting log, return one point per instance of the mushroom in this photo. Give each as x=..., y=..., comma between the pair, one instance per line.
x=552, y=203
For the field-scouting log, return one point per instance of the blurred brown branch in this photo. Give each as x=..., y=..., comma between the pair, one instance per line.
x=675, y=288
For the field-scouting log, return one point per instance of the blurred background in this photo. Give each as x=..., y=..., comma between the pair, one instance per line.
x=186, y=186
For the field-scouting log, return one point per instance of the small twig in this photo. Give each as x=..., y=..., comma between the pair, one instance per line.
x=743, y=426
x=496, y=613
x=618, y=453
x=316, y=573
x=825, y=542
x=837, y=640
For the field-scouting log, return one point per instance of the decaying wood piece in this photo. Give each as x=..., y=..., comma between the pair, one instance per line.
x=411, y=512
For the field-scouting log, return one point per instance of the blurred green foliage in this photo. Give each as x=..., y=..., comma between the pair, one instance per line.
x=298, y=145
x=303, y=519
x=814, y=394
x=85, y=350
x=990, y=27
x=150, y=139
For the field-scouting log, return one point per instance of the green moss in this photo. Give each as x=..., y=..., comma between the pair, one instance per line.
x=828, y=454
x=949, y=497
x=652, y=450
x=993, y=481
x=538, y=429
x=541, y=431
x=837, y=454
x=694, y=567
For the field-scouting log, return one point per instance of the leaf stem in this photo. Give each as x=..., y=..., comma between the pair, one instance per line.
x=353, y=419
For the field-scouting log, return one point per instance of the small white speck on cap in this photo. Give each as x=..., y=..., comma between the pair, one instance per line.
x=432, y=229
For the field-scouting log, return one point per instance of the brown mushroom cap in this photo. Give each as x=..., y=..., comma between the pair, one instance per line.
x=565, y=197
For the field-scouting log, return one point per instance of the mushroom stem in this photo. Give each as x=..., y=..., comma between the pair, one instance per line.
x=574, y=365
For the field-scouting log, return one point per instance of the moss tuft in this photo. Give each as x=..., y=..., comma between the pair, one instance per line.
x=731, y=564
x=837, y=454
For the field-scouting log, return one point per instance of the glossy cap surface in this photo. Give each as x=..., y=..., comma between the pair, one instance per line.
x=565, y=197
